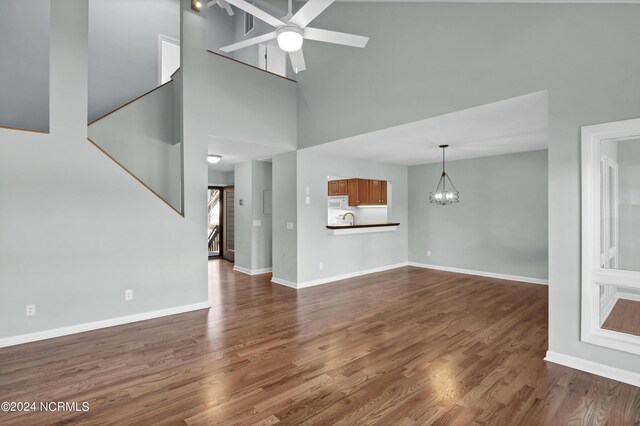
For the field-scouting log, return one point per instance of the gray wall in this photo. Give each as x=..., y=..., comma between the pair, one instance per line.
x=140, y=136
x=252, y=242
x=500, y=224
x=629, y=204
x=220, y=178
x=453, y=56
x=248, y=105
x=123, y=49
x=24, y=68
x=243, y=215
x=285, y=245
x=261, y=177
x=101, y=230
x=343, y=254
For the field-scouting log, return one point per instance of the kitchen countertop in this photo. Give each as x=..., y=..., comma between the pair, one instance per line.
x=362, y=225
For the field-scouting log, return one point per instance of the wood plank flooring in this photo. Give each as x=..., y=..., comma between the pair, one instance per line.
x=403, y=347
x=624, y=317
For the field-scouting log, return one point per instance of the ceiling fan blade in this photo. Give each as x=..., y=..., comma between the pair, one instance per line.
x=258, y=13
x=297, y=61
x=335, y=37
x=249, y=42
x=309, y=11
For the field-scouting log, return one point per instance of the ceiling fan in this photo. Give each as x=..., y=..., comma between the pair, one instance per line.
x=292, y=29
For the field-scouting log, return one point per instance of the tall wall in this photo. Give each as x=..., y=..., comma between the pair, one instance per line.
x=24, y=68
x=101, y=232
x=285, y=240
x=500, y=224
x=451, y=56
x=345, y=254
x=253, y=222
x=124, y=49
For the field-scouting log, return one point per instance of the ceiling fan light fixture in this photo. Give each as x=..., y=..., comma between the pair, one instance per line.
x=290, y=38
x=213, y=159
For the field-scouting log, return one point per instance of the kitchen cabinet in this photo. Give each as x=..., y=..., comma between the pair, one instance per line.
x=338, y=187
x=358, y=192
x=333, y=187
x=361, y=192
x=377, y=192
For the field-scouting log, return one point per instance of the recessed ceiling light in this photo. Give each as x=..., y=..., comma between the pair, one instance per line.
x=213, y=159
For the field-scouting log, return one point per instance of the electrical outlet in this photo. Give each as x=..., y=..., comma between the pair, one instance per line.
x=128, y=295
x=31, y=310
x=289, y=226
x=321, y=266
x=428, y=253
x=257, y=223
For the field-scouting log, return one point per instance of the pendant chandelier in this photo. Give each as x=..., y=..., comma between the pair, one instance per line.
x=446, y=193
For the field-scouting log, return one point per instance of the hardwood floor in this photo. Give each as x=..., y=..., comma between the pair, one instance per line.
x=403, y=347
x=624, y=317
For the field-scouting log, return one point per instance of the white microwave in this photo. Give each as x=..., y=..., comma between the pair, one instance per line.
x=339, y=202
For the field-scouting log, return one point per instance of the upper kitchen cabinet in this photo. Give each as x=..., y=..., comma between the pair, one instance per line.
x=338, y=187
x=377, y=192
x=358, y=192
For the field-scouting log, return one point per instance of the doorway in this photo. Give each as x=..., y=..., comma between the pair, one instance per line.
x=228, y=220
x=215, y=206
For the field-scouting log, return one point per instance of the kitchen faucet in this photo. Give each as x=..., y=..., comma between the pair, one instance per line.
x=353, y=222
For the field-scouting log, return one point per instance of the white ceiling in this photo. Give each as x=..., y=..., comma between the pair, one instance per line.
x=513, y=125
x=234, y=152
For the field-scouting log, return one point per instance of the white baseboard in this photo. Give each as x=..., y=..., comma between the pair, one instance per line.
x=621, y=294
x=331, y=279
x=95, y=325
x=481, y=273
x=284, y=282
x=251, y=271
x=598, y=369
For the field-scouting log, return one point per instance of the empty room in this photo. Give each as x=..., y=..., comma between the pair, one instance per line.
x=319, y=212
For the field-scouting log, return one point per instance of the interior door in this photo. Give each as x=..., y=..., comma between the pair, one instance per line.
x=271, y=58
x=228, y=242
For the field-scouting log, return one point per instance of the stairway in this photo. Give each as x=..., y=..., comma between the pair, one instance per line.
x=143, y=138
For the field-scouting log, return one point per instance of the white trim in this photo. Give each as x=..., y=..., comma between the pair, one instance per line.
x=598, y=369
x=620, y=294
x=95, y=325
x=331, y=279
x=286, y=283
x=481, y=273
x=251, y=271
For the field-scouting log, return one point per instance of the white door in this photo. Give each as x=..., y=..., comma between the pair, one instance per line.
x=168, y=58
x=273, y=59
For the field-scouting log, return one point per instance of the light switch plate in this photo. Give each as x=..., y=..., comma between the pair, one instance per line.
x=307, y=200
x=308, y=190
x=289, y=226
x=257, y=223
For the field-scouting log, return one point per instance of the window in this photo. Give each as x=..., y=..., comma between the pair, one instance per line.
x=248, y=23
